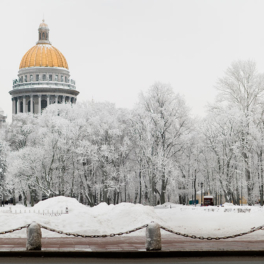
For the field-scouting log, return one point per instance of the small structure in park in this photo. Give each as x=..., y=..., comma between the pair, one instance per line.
x=43, y=78
x=208, y=200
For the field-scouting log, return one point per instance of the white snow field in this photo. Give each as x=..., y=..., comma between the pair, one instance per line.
x=106, y=219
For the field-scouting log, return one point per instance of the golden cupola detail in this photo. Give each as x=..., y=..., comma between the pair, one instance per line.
x=43, y=54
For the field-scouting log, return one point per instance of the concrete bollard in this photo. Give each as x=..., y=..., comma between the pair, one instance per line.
x=153, y=237
x=34, y=236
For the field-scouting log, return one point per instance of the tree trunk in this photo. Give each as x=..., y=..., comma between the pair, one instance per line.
x=24, y=198
x=14, y=197
x=125, y=193
x=248, y=179
x=164, y=182
x=117, y=197
x=261, y=177
x=136, y=196
x=140, y=187
x=163, y=191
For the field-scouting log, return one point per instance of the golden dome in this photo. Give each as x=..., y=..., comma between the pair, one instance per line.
x=43, y=55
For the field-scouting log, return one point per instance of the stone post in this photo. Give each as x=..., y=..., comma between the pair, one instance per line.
x=34, y=237
x=56, y=99
x=153, y=237
x=63, y=99
x=48, y=100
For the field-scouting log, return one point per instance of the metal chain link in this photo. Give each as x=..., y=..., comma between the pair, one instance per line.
x=13, y=230
x=252, y=230
x=94, y=236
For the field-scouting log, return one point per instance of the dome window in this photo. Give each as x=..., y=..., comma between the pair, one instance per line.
x=25, y=78
x=31, y=78
x=37, y=77
x=61, y=78
x=50, y=77
x=44, y=77
x=56, y=78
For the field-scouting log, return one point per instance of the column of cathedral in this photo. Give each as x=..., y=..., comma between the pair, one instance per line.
x=16, y=102
x=24, y=104
x=13, y=106
x=31, y=103
x=39, y=104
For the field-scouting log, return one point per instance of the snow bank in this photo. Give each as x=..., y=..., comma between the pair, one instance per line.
x=168, y=205
x=106, y=219
x=59, y=204
x=228, y=204
x=101, y=219
x=124, y=216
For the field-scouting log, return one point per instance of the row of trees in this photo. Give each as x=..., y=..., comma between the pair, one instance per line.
x=152, y=154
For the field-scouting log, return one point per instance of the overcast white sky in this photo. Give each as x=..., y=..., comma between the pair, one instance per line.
x=117, y=48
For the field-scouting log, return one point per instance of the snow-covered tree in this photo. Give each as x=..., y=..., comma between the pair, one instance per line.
x=243, y=88
x=168, y=119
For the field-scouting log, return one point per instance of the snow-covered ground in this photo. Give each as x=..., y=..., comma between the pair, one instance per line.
x=106, y=219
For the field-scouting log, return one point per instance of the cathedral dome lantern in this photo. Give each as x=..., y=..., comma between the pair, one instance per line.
x=43, y=33
x=43, y=77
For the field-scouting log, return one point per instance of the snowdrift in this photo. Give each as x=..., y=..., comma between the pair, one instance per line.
x=106, y=219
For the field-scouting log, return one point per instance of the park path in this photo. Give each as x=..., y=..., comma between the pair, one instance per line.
x=133, y=243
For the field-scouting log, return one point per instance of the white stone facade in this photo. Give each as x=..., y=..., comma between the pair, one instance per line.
x=37, y=87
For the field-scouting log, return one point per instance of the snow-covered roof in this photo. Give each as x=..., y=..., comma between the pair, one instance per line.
x=208, y=196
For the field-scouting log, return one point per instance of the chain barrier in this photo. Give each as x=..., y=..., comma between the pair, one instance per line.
x=252, y=230
x=74, y=234
x=13, y=230
x=93, y=236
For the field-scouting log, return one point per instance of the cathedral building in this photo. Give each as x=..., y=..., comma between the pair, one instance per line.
x=43, y=78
